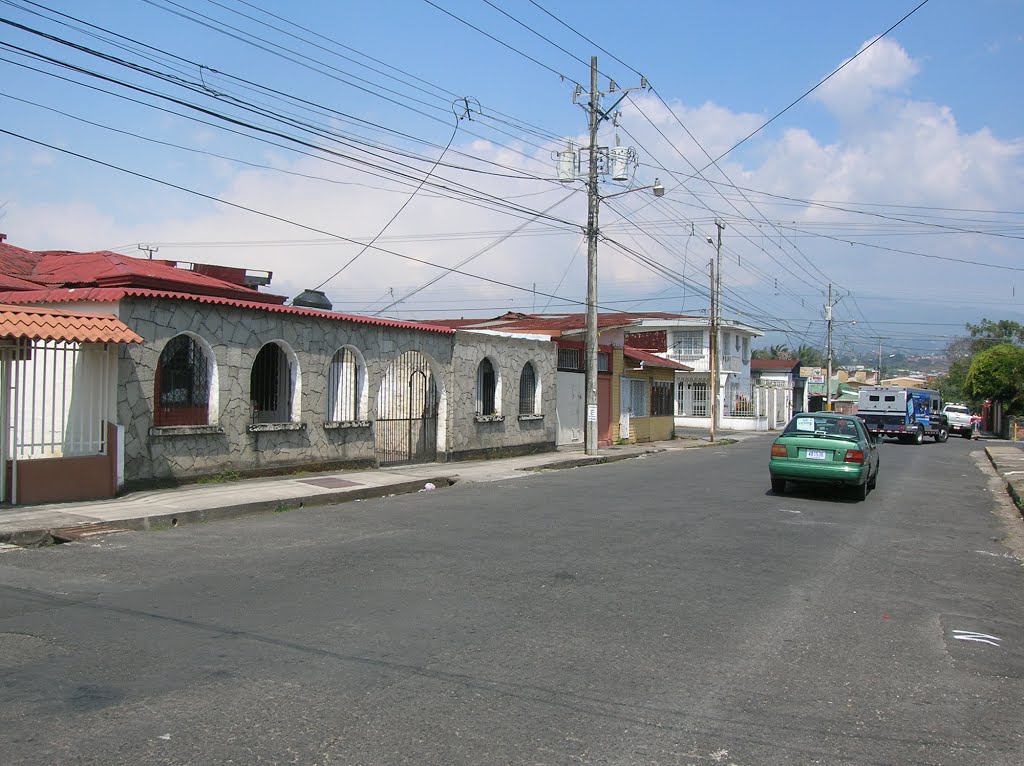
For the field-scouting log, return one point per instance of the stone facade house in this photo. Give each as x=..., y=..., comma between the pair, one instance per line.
x=230, y=379
x=742, y=404
x=635, y=389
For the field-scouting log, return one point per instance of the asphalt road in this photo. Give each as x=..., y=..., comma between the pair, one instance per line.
x=666, y=610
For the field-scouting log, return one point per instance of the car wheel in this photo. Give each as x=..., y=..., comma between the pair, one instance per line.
x=859, y=492
x=778, y=486
x=966, y=434
x=873, y=481
x=942, y=435
x=919, y=436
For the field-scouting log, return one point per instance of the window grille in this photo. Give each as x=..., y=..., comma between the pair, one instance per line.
x=661, y=397
x=688, y=343
x=569, y=359
x=182, y=392
x=604, y=361
x=486, y=385
x=270, y=386
x=636, y=394
x=61, y=397
x=528, y=391
x=344, y=387
x=692, y=399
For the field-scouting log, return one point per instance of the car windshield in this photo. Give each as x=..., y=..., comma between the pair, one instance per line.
x=961, y=410
x=819, y=425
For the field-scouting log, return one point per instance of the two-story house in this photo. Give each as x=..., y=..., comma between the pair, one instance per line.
x=685, y=339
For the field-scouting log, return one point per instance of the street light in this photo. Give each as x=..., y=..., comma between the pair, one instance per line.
x=590, y=368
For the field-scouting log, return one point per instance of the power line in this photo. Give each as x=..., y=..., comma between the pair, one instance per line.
x=821, y=82
x=278, y=218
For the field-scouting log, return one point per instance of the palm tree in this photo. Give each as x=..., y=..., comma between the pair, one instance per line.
x=810, y=356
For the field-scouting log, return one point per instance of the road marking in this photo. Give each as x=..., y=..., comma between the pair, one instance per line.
x=998, y=555
x=984, y=638
x=787, y=510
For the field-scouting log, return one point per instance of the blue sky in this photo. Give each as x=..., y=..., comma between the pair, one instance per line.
x=913, y=152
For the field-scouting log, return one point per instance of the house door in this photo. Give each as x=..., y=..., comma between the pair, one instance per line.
x=569, y=408
x=406, y=427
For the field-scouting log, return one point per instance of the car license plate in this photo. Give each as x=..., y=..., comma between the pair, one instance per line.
x=815, y=454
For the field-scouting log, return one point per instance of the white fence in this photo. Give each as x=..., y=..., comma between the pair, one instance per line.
x=57, y=399
x=745, y=406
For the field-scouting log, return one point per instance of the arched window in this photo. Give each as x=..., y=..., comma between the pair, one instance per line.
x=486, y=389
x=346, y=382
x=274, y=385
x=182, y=385
x=528, y=390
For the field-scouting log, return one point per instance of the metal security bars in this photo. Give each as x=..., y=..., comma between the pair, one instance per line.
x=486, y=387
x=692, y=398
x=182, y=387
x=528, y=391
x=58, y=398
x=661, y=398
x=407, y=405
x=344, y=386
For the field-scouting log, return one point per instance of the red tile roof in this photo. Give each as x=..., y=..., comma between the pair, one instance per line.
x=27, y=269
x=58, y=276
x=113, y=294
x=51, y=324
x=651, y=360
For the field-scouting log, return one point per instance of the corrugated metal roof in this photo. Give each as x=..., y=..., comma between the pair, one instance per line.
x=112, y=294
x=652, y=360
x=52, y=324
x=553, y=325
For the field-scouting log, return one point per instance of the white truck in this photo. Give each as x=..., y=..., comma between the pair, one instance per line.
x=903, y=413
x=959, y=416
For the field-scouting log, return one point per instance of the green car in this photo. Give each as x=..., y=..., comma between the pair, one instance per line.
x=825, y=448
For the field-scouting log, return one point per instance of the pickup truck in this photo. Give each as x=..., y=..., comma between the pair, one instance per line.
x=959, y=419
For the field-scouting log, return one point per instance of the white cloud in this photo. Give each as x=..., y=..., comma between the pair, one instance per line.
x=883, y=68
x=910, y=152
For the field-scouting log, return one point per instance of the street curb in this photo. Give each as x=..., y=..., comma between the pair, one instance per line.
x=1014, y=486
x=40, y=537
x=590, y=460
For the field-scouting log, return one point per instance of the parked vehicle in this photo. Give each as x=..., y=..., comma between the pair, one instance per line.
x=825, y=448
x=960, y=420
x=907, y=414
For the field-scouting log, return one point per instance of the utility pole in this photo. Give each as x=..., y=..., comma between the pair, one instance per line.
x=596, y=115
x=716, y=321
x=828, y=351
x=880, y=360
x=593, y=201
x=712, y=353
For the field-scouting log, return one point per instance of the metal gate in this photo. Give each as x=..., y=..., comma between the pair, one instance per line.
x=406, y=429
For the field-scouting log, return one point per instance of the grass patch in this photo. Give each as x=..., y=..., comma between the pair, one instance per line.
x=220, y=478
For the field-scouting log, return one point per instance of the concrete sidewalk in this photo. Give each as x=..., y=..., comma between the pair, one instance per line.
x=164, y=508
x=1008, y=460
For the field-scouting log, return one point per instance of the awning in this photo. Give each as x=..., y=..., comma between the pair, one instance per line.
x=33, y=323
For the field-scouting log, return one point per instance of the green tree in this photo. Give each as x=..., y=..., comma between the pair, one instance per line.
x=810, y=356
x=987, y=333
x=773, y=352
x=998, y=373
x=961, y=352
